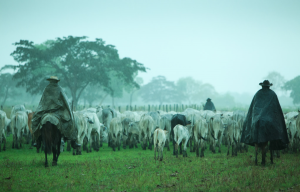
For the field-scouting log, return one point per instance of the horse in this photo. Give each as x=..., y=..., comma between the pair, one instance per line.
x=51, y=138
x=262, y=146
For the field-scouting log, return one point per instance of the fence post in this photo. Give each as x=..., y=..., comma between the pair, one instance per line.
x=148, y=108
x=134, y=107
x=120, y=109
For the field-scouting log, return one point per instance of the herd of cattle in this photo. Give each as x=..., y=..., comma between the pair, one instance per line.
x=106, y=125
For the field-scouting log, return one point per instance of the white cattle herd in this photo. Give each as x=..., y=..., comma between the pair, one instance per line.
x=95, y=126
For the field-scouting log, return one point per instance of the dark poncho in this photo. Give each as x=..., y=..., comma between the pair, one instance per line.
x=209, y=106
x=54, y=101
x=265, y=121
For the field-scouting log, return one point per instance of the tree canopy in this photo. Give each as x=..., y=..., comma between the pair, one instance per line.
x=294, y=86
x=159, y=90
x=75, y=60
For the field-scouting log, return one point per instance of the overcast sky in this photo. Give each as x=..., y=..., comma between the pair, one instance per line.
x=231, y=44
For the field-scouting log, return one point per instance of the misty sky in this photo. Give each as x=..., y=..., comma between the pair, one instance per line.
x=231, y=44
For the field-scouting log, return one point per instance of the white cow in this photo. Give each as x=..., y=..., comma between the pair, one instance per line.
x=181, y=134
x=165, y=124
x=80, y=126
x=146, y=126
x=115, y=133
x=293, y=132
x=3, y=128
x=201, y=135
x=216, y=132
x=133, y=134
x=156, y=118
x=93, y=133
x=16, y=109
x=233, y=135
x=19, y=126
x=160, y=137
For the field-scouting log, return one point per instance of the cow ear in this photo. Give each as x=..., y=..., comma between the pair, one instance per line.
x=158, y=112
x=295, y=117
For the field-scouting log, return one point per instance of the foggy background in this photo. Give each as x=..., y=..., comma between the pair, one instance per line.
x=231, y=45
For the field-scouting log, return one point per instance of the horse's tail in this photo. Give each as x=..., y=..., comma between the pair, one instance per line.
x=47, y=135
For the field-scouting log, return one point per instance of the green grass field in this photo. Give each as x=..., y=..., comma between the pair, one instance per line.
x=136, y=170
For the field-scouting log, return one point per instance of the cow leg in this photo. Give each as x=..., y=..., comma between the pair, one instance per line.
x=91, y=144
x=232, y=149
x=17, y=143
x=202, y=152
x=180, y=148
x=13, y=143
x=73, y=151
x=228, y=147
x=191, y=145
x=176, y=150
x=4, y=147
x=197, y=149
x=155, y=148
x=168, y=145
x=256, y=152
x=68, y=145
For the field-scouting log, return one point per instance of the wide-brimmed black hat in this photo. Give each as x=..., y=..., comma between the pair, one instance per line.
x=266, y=83
x=208, y=99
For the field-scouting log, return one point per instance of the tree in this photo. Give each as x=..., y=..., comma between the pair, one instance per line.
x=159, y=90
x=277, y=80
x=75, y=60
x=294, y=86
x=7, y=88
x=131, y=88
x=192, y=90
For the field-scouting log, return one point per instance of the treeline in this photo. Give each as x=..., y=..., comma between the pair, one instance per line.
x=93, y=73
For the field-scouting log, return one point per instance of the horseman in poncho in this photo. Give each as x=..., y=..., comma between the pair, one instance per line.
x=54, y=107
x=265, y=120
x=209, y=105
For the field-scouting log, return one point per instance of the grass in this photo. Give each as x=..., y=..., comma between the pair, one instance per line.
x=136, y=170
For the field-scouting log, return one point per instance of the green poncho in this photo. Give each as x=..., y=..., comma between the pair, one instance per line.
x=54, y=104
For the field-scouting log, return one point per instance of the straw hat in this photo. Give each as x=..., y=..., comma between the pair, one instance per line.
x=53, y=78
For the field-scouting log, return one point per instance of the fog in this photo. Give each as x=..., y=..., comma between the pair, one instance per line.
x=231, y=45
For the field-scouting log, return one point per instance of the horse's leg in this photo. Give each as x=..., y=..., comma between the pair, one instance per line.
x=263, y=151
x=54, y=162
x=256, y=152
x=271, y=154
x=46, y=161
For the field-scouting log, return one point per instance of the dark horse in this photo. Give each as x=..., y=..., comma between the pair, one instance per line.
x=263, y=147
x=51, y=138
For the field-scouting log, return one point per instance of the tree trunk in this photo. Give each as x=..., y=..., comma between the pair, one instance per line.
x=5, y=97
x=103, y=99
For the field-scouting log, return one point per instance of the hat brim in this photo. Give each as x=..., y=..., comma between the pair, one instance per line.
x=269, y=85
x=52, y=79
